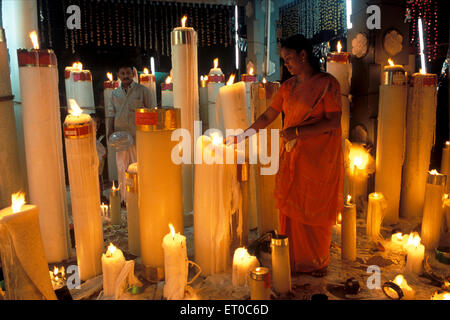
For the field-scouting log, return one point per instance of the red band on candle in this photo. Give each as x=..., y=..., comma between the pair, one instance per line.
x=428, y=80
x=87, y=76
x=342, y=57
x=220, y=78
x=167, y=86
x=146, y=118
x=146, y=77
x=77, y=131
x=36, y=58
x=66, y=74
x=248, y=78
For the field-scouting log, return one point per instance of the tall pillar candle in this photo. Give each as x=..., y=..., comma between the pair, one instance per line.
x=113, y=262
x=375, y=214
x=281, y=267
x=391, y=139
x=445, y=169
x=185, y=95
x=108, y=88
x=160, y=185
x=433, y=211
x=82, y=167
x=167, y=93
x=420, y=131
x=260, y=284
x=231, y=101
x=203, y=102
x=44, y=157
x=216, y=199
x=348, y=231
x=148, y=80
x=175, y=265
x=133, y=220
x=265, y=211
x=11, y=175
x=338, y=64
x=114, y=205
x=24, y=264
x=243, y=263
x=216, y=80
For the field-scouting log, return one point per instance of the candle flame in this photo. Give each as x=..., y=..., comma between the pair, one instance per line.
x=349, y=197
x=17, y=201
x=398, y=235
x=422, y=71
x=258, y=269
x=114, y=188
x=34, y=39
x=230, y=80
x=434, y=172
x=447, y=143
x=440, y=296
x=339, y=46
x=391, y=62
x=264, y=80
x=414, y=240
x=339, y=219
x=205, y=78
x=74, y=108
x=110, y=76
x=111, y=249
x=399, y=279
x=251, y=71
x=183, y=21
x=216, y=138
x=172, y=230
x=145, y=71
x=78, y=65
x=216, y=63
x=168, y=79
x=359, y=158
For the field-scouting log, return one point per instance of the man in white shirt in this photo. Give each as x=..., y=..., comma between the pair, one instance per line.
x=128, y=97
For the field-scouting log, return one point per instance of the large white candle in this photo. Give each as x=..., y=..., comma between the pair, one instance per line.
x=390, y=139
x=420, y=130
x=79, y=87
x=160, y=185
x=24, y=265
x=348, y=235
x=175, y=265
x=167, y=93
x=263, y=205
x=216, y=199
x=260, y=284
x=433, y=211
x=338, y=64
x=415, y=254
x=108, y=88
x=243, y=263
x=203, y=102
x=82, y=166
x=185, y=94
x=44, y=157
x=281, y=266
x=133, y=219
x=216, y=80
x=11, y=175
x=113, y=262
x=375, y=214
x=114, y=205
x=148, y=80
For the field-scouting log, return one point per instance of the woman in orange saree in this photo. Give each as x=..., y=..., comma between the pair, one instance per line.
x=309, y=183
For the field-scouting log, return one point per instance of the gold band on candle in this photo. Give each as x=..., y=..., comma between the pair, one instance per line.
x=280, y=241
x=157, y=119
x=131, y=176
x=341, y=57
x=179, y=36
x=2, y=35
x=36, y=58
x=437, y=179
x=428, y=79
x=77, y=131
x=394, y=76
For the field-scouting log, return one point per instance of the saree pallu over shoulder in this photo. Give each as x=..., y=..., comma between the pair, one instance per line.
x=309, y=183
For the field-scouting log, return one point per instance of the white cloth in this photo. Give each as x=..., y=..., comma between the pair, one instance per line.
x=123, y=160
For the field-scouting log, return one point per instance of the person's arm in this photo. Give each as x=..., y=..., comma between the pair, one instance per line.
x=332, y=120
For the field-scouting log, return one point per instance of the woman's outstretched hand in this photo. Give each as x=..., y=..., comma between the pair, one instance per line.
x=288, y=134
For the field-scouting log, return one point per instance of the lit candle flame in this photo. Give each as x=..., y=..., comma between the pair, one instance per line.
x=359, y=158
x=172, y=230
x=258, y=269
x=110, y=76
x=339, y=46
x=114, y=188
x=168, y=79
x=414, y=240
x=216, y=63
x=447, y=143
x=264, y=80
x=391, y=62
x=111, y=249
x=216, y=139
x=349, y=197
x=422, y=71
x=434, y=172
x=74, y=108
x=339, y=218
x=230, y=80
x=399, y=279
x=34, y=39
x=183, y=21
x=145, y=71
x=399, y=236
x=17, y=201
x=251, y=71
x=77, y=65
x=206, y=79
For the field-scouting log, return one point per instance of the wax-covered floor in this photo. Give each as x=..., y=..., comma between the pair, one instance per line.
x=218, y=287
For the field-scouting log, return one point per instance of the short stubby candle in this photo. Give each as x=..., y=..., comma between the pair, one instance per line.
x=243, y=263
x=113, y=262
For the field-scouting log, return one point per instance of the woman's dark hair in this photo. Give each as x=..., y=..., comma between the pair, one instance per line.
x=298, y=43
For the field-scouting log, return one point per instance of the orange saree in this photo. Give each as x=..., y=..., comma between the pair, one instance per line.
x=310, y=181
